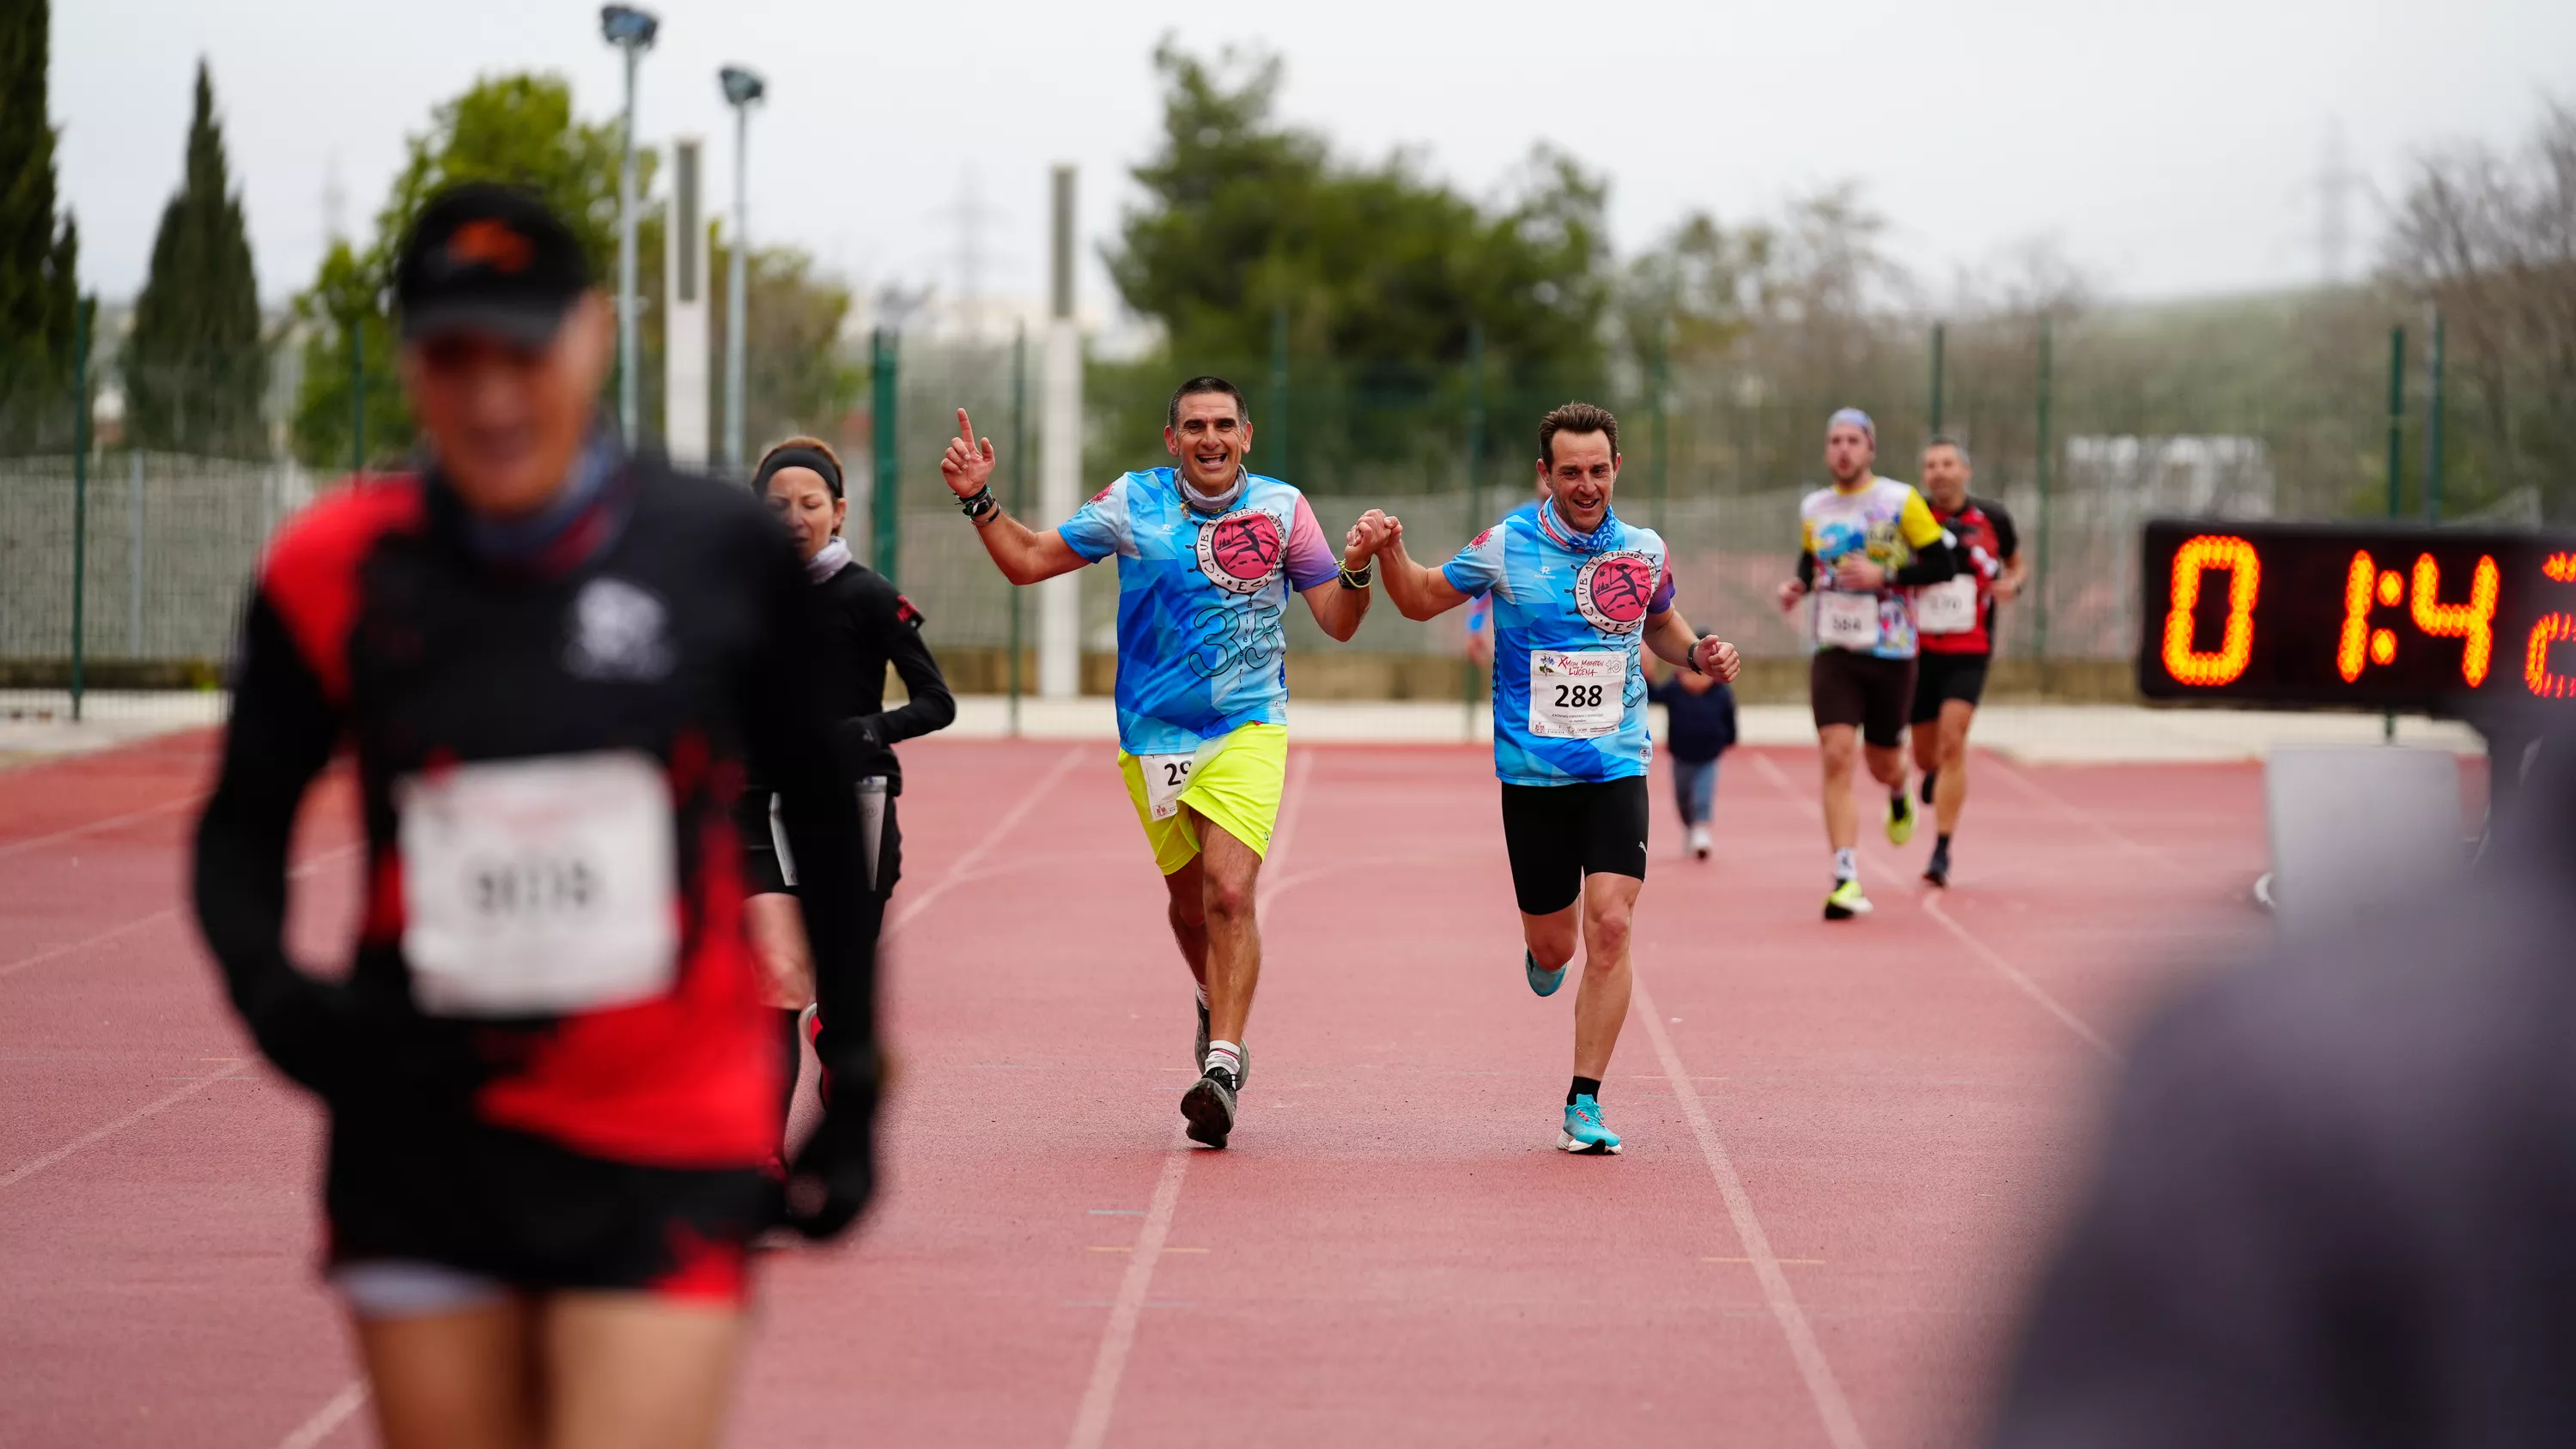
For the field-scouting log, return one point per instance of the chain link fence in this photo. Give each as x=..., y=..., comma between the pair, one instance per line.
x=2082, y=428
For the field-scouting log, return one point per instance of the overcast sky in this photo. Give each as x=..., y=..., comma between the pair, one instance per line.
x=2169, y=149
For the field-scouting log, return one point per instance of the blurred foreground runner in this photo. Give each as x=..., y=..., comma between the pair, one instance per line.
x=1207, y=552
x=1575, y=592
x=866, y=626
x=552, y=1087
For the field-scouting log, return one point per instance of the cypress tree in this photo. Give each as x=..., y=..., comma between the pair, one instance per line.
x=38, y=258
x=195, y=369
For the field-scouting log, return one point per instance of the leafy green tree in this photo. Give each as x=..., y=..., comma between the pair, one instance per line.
x=39, y=256
x=795, y=378
x=1377, y=264
x=195, y=367
x=516, y=128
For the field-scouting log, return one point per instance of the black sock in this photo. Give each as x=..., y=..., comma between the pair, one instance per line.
x=1940, y=845
x=1583, y=1087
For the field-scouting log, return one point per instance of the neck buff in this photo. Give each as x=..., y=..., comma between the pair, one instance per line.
x=580, y=519
x=1204, y=503
x=1557, y=528
x=828, y=560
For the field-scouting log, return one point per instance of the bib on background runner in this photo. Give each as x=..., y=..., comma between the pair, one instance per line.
x=1948, y=607
x=1847, y=621
x=1577, y=694
x=539, y=886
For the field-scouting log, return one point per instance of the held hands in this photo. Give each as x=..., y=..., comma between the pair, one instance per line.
x=1372, y=535
x=1717, y=659
x=967, y=466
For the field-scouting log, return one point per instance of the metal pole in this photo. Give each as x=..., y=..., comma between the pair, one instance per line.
x=1278, y=419
x=80, y=494
x=627, y=374
x=2039, y=596
x=737, y=284
x=1662, y=473
x=1019, y=492
x=1475, y=519
x=2396, y=458
x=886, y=534
x=1060, y=448
x=357, y=396
x=2433, y=432
x=1939, y=332
x=2396, y=416
x=134, y=559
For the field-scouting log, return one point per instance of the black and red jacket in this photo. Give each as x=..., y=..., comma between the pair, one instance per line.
x=1987, y=541
x=377, y=626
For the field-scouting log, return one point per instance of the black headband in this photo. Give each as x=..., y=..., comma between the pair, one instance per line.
x=798, y=457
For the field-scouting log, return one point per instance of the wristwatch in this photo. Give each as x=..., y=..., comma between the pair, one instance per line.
x=978, y=504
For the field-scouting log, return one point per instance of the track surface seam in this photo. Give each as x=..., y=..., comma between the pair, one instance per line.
x=30, y=1168
x=1118, y=1336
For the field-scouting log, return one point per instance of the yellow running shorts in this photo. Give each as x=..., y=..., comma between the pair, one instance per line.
x=1234, y=780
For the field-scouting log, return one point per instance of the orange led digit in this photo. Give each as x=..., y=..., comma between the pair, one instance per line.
x=2536, y=674
x=2236, y=645
x=2356, y=616
x=2473, y=621
x=2560, y=567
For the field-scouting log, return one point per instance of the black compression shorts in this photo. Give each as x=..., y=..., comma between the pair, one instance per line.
x=763, y=876
x=1942, y=677
x=1558, y=834
x=1862, y=690
x=414, y=1186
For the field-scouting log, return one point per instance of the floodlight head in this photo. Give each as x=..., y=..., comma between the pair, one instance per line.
x=741, y=87
x=625, y=25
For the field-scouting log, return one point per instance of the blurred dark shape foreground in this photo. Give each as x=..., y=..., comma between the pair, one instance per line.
x=2336, y=1199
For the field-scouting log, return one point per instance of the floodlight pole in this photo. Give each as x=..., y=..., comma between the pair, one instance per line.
x=632, y=31
x=737, y=285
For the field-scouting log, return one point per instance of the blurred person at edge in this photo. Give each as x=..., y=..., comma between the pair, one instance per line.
x=2335, y=1202
x=551, y=1088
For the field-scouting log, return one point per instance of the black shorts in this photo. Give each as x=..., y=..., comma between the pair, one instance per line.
x=761, y=872
x=1558, y=834
x=410, y=1186
x=1848, y=688
x=1942, y=677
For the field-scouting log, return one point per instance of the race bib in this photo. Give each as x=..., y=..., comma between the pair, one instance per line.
x=1948, y=607
x=1847, y=621
x=1577, y=694
x=539, y=886
x=872, y=800
x=1166, y=776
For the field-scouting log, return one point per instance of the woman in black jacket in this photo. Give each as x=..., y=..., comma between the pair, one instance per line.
x=866, y=625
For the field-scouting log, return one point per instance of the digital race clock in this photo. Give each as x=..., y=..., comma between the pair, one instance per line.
x=2356, y=616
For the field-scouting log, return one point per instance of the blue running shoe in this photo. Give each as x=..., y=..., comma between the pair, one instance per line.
x=1584, y=1135
x=1542, y=981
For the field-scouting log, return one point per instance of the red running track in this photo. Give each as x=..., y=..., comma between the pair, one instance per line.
x=1846, y=1144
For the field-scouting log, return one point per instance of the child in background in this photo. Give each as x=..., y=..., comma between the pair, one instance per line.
x=1700, y=714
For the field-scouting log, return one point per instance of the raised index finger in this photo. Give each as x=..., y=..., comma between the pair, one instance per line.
x=965, y=429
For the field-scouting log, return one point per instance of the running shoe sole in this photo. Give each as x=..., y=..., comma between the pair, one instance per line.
x=1210, y=1110
x=1837, y=911
x=1938, y=872
x=1568, y=1142
x=1542, y=982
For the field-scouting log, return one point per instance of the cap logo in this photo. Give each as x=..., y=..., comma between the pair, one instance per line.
x=492, y=244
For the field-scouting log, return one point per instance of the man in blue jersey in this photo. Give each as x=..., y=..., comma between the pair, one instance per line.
x=1207, y=552
x=1576, y=592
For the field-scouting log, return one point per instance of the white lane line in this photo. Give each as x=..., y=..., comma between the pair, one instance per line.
x=2013, y=974
x=165, y=914
x=36, y=842
x=30, y=1168
x=2081, y=816
x=1841, y=1429
x=959, y=869
x=1118, y=1338
x=311, y=1433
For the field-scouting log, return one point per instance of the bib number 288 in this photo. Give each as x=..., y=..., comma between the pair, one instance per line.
x=1577, y=693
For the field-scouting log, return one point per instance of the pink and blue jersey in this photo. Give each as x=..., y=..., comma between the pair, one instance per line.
x=1569, y=610
x=1202, y=649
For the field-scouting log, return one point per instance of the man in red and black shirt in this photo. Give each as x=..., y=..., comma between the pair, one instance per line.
x=1954, y=621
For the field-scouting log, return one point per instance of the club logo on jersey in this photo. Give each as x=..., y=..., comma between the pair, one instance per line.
x=1243, y=551
x=617, y=633
x=1612, y=590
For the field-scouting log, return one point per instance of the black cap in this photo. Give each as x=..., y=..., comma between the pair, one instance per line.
x=484, y=257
